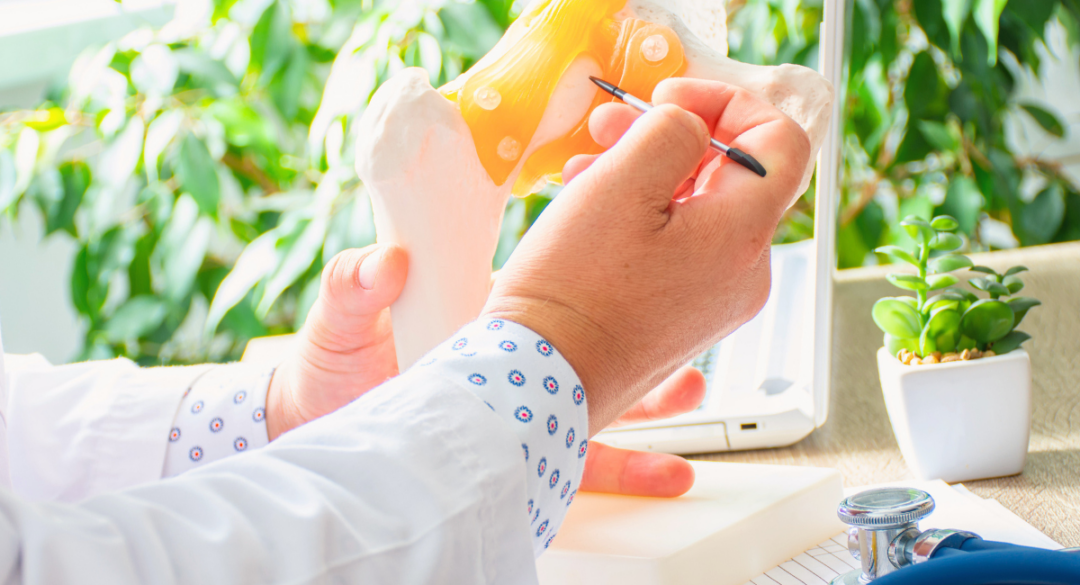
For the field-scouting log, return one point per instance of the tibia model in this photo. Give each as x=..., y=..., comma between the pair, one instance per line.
x=440, y=165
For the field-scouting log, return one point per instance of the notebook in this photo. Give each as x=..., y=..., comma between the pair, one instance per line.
x=736, y=522
x=743, y=524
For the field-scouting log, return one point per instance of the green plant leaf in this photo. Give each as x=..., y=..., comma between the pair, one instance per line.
x=1010, y=342
x=1015, y=270
x=286, y=87
x=952, y=305
x=919, y=229
x=942, y=331
x=206, y=71
x=198, y=175
x=1020, y=307
x=946, y=242
x=256, y=261
x=940, y=281
x=469, y=28
x=180, y=251
x=939, y=135
x=909, y=300
x=80, y=284
x=296, y=260
x=968, y=295
x=61, y=215
x=987, y=17
x=987, y=320
x=897, y=318
x=297, y=255
x=1041, y=219
x=955, y=13
x=7, y=179
x=907, y=281
x=895, y=344
x=154, y=71
x=272, y=40
x=27, y=148
x=944, y=223
x=897, y=253
x=1046, y=120
x=984, y=270
x=159, y=134
x=949, y=262
x=964, y=201
x=989, y=286
x=135, y=318
x=430, y=55
x=1013, y=283
x=927, y=344
x=47, y=119
x=966, y=343
x=948, y=295
x=851, y=248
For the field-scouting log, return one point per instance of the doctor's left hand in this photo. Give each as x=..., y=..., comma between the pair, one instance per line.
x=346, y=348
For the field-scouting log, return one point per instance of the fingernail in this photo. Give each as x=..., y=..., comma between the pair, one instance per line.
x=369, y=270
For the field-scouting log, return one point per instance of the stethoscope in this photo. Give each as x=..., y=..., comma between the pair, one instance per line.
x=884, y=536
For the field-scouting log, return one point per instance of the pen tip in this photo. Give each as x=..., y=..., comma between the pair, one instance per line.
x=603, y=85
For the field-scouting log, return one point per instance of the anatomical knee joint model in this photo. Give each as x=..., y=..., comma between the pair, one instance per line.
x=440, y=164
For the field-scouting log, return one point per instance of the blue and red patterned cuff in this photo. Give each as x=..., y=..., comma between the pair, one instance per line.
x=524, y=379
x=222, y=414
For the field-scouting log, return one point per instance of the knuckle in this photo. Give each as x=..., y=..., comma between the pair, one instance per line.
x=688, y=127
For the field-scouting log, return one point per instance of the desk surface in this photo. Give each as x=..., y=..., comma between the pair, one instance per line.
x=858, y=439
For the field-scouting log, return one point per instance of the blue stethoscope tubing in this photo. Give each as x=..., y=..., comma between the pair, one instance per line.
x=981, y=562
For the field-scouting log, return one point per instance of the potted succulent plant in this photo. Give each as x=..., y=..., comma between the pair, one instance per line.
x=957, y=385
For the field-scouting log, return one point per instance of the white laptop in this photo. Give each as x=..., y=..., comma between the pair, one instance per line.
x=768, y=382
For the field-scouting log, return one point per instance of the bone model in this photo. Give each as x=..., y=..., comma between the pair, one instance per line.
x=440, y=165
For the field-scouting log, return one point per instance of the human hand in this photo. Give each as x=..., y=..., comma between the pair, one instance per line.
x=642, y=473
x=655, y=251
x=346, y=346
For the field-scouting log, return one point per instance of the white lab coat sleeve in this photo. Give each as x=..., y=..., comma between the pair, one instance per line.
x=82, y=429
x=418, y=481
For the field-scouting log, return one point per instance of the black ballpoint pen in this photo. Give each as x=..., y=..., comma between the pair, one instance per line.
x=639, y=104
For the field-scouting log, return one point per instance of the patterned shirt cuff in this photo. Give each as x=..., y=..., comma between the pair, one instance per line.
x=521, y=377
x=223, y=413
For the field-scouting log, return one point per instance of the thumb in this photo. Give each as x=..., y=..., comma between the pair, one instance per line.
x=357, y=286
x=652, y=159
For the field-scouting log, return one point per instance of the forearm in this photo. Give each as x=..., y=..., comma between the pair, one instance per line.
x=417, y=482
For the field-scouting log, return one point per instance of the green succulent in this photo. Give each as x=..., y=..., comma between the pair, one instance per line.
x=942, y=317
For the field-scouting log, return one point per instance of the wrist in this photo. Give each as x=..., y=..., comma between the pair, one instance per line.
x=592, y=352
x=280, y=416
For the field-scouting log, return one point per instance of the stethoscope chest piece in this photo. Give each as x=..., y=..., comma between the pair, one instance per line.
x=884, y=535
x=883, y=531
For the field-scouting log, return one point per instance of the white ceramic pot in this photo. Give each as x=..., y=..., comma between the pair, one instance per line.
x=963, y=420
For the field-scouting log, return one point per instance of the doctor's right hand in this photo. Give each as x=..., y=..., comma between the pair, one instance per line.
x=654, y=251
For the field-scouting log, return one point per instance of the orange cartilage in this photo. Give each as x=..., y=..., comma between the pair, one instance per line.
x=504, y=96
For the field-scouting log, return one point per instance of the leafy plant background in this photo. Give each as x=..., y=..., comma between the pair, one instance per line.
x=205, y=168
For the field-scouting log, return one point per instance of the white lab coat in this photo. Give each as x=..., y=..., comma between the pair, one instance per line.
x=390, y=489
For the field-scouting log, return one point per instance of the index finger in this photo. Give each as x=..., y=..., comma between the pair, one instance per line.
x=728, y=110
x=741, y=120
